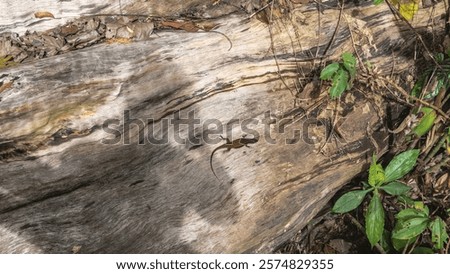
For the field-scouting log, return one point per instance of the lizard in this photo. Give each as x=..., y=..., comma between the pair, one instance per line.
x=241, y=142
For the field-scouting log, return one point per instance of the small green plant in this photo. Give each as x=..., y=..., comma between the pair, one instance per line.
x=413, y=221
x=434, y=79
x=340, y=74
x=380, y=181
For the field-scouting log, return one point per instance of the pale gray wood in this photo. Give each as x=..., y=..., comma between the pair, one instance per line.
x=18, y=16
x=61, y=187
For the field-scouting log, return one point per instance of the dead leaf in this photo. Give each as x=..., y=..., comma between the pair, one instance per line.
x=43, y=14
x=442, y=183
x=186, y=26
x=69, y=30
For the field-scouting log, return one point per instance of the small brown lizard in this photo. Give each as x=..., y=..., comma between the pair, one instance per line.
x=241, y=142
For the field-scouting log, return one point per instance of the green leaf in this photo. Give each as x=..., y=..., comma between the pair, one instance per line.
x=385, y=241
x=375, y=219
x=418, y=86
x=426, y=122
x=399, y=245
x=377, y=2
x=439, y=83
x=396, y=188
x=421, y=206
x=349, y=201
x=329, y=71
x=376, y=173
x=410, y=228
x=349, y=63
x=439, y=234
x=340, y=82
x=401, y=165
x=439, y=57
x=410, y=213
x=422, y=250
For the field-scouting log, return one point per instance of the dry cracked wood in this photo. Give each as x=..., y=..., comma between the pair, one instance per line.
x=67, y=181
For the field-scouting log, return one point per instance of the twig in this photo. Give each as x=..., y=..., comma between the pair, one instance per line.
x=372, y=140
x=354, y=47
x=396, y=12
x=361, y=228
x=408, y=96
x=334, y=33
x=414, y=245
x=438, y=166
x=435, y=150
x=319, y=27
x=332, y=126
x=261, y=9
x=6, y=142
x=272, y=47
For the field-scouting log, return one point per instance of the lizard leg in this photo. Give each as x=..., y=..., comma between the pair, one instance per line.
x=226, y=139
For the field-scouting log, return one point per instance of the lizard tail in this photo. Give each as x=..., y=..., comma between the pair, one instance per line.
x=212, y=169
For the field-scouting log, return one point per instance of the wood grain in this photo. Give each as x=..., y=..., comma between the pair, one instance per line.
x=62, y=186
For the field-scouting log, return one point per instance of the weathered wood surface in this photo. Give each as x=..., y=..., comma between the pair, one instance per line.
x=61, y=187
x=19, y=17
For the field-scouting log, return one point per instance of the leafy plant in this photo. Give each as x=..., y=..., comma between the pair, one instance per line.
x=380, y=179
x=340, y=74
x=411, y=222
x=434, y=78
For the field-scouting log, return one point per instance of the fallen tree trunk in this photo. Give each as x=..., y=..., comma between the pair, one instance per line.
x=108, y=148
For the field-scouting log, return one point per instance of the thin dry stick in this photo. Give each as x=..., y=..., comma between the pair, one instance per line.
x=261, y=9
x=334, y=33
x=319, y=27
x=272, y=47
x=408, y=96
x=354, y=47
x=332, y=126
x=413, y=246
x=396, y=12
x=361, y=228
